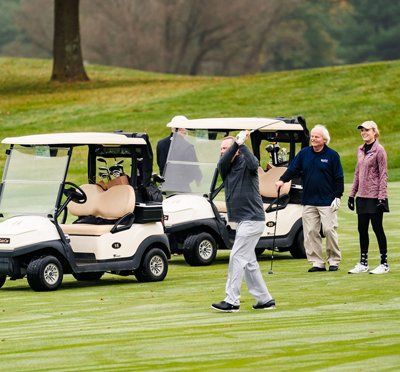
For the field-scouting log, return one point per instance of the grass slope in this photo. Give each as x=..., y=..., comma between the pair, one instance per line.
x=328, y=321
x=339, y=97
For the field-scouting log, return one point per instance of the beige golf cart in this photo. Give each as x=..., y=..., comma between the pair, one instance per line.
x=111, y=227
x=194, y=210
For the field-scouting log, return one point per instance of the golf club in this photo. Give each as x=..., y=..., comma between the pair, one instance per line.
x=266, y=125
x=116, y=173
x=103, y=174
x=108, y=172
x=273, y=242
x=263, y=126
x=104, y=168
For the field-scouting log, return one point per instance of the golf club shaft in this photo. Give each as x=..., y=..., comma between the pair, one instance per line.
x=276, y=221
x=266, y=125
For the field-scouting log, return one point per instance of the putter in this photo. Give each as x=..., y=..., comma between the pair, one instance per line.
x=276, y=221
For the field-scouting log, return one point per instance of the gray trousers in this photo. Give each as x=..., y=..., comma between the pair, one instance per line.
x=312, y=219
x=243, y=262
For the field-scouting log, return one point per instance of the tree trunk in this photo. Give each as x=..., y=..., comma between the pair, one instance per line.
x=67, y=62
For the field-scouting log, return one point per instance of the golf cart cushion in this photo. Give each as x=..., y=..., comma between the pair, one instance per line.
x=110, y=204
x=221, y=206
x=85, y=229
x=267, y=182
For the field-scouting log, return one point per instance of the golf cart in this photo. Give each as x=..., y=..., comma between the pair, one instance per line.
x=195, y=214
x=116, y=227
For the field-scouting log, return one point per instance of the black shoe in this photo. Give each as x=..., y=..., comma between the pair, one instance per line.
x=333, y=268
x=315, y=268
x=267, y=306
x=225, y=307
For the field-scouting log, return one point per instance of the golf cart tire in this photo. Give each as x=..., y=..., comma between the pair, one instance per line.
x=200, y=250
x=45, y=274
x=154, y=267
x=297, y=250
x=88, y=277
x=2, y=280
x=259, y=251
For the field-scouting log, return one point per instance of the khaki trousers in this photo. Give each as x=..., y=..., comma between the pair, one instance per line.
x=312, y=218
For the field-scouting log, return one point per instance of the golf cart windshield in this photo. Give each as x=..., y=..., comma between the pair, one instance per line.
x=31, y=180
x=191, y=162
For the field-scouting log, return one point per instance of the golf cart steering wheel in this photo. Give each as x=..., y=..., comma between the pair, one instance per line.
x=73, y=194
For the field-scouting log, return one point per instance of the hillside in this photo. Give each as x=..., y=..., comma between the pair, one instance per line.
x=339, y=97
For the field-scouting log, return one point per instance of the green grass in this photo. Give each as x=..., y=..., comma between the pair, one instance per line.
x=323, y=321
x=339, y=97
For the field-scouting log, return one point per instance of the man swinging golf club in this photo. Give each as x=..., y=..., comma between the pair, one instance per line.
x=239, y=171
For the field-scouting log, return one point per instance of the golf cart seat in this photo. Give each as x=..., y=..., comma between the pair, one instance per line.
x=268, y=191
x=115, y=204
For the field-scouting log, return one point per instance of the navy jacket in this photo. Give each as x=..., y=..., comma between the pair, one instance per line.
x=242, y=192
x=162, y=152
x=322, y=175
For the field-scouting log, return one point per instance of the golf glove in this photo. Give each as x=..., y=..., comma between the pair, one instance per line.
x=350, y=203
x=241, y=137
x=335, y=205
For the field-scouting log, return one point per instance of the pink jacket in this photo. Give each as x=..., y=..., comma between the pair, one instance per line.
x=370, y=177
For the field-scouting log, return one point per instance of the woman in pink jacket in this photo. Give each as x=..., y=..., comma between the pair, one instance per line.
x=370, y=185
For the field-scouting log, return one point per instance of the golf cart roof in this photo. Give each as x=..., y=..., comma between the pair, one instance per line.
x=235, y=124
x=88, y=138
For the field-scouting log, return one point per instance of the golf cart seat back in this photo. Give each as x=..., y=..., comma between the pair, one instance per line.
x=268, y=191
x=268, y=179
x=115, y=203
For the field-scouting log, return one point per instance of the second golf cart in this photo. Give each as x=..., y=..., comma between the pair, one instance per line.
x=195, y=214
x=117, y=228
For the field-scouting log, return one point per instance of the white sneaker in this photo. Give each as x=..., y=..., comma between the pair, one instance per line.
x=381, y=269
x=359, y=269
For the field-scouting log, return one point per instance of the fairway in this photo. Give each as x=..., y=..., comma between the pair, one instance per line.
x=327, y=321
x=324, y=321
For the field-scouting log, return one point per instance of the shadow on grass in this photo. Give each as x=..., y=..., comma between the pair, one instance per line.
x=104, y=282
x=224, y=258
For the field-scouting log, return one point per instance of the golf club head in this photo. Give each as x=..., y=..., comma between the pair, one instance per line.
x=116, y=173
x=270, y=272
x=103, y=174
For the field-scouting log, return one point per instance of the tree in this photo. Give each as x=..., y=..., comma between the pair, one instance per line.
x=67, y=55
x=371, y=32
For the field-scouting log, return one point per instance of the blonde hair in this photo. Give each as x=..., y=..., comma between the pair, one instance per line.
x=376, y=131
x=233, y=139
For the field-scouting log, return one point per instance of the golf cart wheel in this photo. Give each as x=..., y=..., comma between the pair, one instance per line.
x=297, y=250
x=2, y=279
x=45, y=274
x=154, y=267
x=259, y=251
x=88, y=277
x=200, y=250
